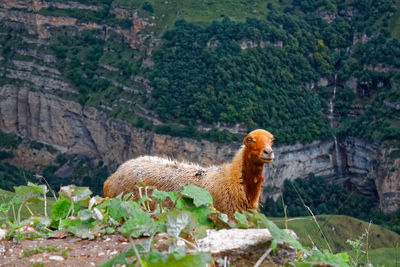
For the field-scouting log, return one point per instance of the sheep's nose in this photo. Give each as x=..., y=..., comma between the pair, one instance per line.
x=268, y=151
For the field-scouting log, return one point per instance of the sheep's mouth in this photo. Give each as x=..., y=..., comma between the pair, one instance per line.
x=267, y=160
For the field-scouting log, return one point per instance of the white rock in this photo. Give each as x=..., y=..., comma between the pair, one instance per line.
x=3, y=234
x=56, y=258
x=230, y=239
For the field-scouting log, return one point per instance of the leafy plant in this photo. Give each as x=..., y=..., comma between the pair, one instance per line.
x=77, y=213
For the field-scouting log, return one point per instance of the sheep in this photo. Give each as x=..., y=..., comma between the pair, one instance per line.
x=234, y=186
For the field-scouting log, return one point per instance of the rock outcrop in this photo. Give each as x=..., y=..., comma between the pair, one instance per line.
x=70, y=127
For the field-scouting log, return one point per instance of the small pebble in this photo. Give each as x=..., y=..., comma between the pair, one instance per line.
x=36, y=260
x=56, y=258
x=3, y=234
x=114, y=252
x=101, y=254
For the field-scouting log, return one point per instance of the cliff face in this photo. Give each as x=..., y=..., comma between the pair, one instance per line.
x=69, y=127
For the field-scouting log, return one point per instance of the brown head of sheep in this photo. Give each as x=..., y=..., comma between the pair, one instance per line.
x=234, y=186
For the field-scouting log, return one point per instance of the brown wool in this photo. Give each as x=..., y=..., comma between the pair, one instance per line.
x=234, y=186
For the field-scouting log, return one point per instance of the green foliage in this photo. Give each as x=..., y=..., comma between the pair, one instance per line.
x=199, y=195
x=61, y=208
x=11, y=176
x=132, y=219
x=321, y=197
x=148, y=7
x=9, y=140
x=192, y=81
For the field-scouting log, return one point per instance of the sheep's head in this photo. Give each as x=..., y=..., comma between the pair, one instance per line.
x=259, y=146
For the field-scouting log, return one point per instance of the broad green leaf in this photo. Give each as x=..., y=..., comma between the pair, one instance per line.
x=66, y=223
x=85, y=215
x=29, y=193
x=40, y=188
x=76, y=194
x=116, y=210
x=280, y=235
x=61, y=207
x=82, y=232
x=162, y=195
x=199, y=195
x=139, y=223
x=4, y=207
x=157, y=257
x=241, y=220
x=200, y=212
x=180, y=221
x=16, y=200
x=45, y=221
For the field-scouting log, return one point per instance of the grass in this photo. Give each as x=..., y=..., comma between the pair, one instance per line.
x=338, y=229
x=30, y=252
x=203, y=12
x=386, y=256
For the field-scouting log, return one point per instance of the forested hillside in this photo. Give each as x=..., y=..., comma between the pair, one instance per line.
x=273, y=70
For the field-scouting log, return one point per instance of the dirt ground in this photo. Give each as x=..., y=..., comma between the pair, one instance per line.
x=77, y=252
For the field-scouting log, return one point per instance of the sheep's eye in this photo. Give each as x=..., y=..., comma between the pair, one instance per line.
x=249, y=140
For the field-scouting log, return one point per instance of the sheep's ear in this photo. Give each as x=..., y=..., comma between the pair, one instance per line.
x=248, y=140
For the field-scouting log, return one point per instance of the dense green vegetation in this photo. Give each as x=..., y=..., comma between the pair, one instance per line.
x=325, y=198
x=201, y=72
x=86, y=217
x=260, y=87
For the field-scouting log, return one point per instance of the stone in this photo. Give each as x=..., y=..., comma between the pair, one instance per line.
x=56, y=258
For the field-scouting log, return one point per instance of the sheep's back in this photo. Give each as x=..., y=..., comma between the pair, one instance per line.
x=162, y=173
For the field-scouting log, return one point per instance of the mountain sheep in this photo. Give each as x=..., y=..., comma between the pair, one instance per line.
x=234, y=186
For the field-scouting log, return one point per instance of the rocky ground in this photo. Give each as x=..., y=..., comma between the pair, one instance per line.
x=71, y=251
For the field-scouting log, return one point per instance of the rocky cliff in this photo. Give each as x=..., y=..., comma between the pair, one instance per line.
x=72, y=128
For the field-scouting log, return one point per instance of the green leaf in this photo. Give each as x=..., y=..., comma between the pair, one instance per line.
x=29, y=193
x=157, y=257
x=4, y=207
x=241, y=220
x=162, y=195
x=60, y=208
x=76, y=194
x=180, y=221
x=16, y=200
x=116, y=210
x=139, y=223
x=85, y=215
x=281, y=236
x=199, y=195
